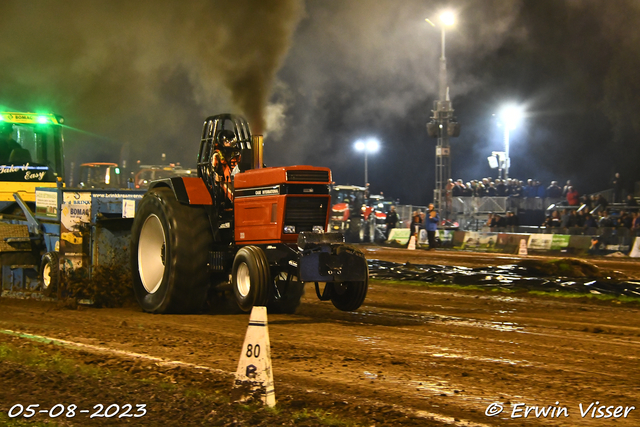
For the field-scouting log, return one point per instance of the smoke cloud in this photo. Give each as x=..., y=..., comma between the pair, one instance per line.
x=144, y=73
x=317, y=75
x=370, y=68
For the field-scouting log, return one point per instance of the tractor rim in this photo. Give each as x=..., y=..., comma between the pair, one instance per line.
x=46, y=275
x=151, y=253
x=243, y=280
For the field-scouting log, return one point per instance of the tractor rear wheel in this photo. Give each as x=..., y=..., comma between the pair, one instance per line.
x=349, y=296
x=170, y=244
x=251, y=279
x=368, y=230
x=355, y=233
x=363, y=234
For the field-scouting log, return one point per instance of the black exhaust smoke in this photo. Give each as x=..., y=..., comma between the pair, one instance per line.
x=143, y=71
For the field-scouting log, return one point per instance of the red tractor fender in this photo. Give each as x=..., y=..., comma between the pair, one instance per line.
x=341, y=207
x=366, y=212
x=188, y=190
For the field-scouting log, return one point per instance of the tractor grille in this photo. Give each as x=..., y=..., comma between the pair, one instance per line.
x=305, y=212
x=308, y=176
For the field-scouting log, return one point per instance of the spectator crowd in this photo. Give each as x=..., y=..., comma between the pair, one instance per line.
x=511, y=187
x=572, y=218
x=568, y=218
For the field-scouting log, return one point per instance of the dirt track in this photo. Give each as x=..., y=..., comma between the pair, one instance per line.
x=429, y=352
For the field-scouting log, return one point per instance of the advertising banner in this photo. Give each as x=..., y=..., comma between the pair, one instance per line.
x=74, y=211
x=560, y=241
x=479, y=240
x=540, y=242
x=446, y=238
x=399, y=235
x=47, y=203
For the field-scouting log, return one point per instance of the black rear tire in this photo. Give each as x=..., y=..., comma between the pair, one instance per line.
x=371, y=229
x=50, y=273
x=349, y=296
x=354, y=234
x=170, y=244
x=363, y=235
x=251, y=279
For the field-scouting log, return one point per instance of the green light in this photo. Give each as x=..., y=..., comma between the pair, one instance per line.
x=42, y=119
x=117, y=171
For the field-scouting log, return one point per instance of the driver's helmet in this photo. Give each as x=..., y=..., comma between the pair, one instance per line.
x=226, y=139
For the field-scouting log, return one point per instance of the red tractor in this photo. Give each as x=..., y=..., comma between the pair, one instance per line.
x=361, y=220
x=347, y=212
x=241, y=228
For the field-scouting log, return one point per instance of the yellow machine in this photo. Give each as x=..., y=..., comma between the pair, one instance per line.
x=31, y=155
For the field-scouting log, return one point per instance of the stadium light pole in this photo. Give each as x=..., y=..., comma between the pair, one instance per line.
x=511, y=116
x=370, y=145
x=443, y=124
x=447, y=19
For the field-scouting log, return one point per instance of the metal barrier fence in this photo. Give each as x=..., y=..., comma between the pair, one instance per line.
x=572, y=231
x=405, y=212
x=486, y=205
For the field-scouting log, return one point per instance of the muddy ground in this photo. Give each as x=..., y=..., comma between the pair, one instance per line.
x=411, y=355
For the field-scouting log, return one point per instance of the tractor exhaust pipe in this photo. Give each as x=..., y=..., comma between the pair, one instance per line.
x=258, y=151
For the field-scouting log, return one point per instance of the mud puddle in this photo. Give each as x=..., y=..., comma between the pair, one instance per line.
x=529, y=276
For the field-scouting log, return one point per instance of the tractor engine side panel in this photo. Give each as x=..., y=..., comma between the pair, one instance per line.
x=273, y=205
x=258, y=219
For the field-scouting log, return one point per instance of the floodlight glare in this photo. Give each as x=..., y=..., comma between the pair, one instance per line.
x=448, y=18
x=372, y=145
x=511, y=116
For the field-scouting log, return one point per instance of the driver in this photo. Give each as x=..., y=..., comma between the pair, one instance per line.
x=225, y=160
x=7, y=144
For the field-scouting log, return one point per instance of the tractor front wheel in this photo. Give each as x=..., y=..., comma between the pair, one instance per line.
x=349, y=296
x=251, y=278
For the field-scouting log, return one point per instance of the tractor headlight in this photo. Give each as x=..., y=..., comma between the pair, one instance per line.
x=317, y=229
x=289, y=229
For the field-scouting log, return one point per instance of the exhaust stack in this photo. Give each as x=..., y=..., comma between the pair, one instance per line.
x=258, y=151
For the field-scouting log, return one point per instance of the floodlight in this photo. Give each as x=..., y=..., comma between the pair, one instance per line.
x=372, y=145
x=511, y=116
x=448, y=18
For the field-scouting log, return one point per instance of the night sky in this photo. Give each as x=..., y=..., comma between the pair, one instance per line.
x=136, y=79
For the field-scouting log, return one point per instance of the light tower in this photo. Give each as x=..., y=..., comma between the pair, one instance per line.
x=371, y=145
x=511, y=116
x=443, y=125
